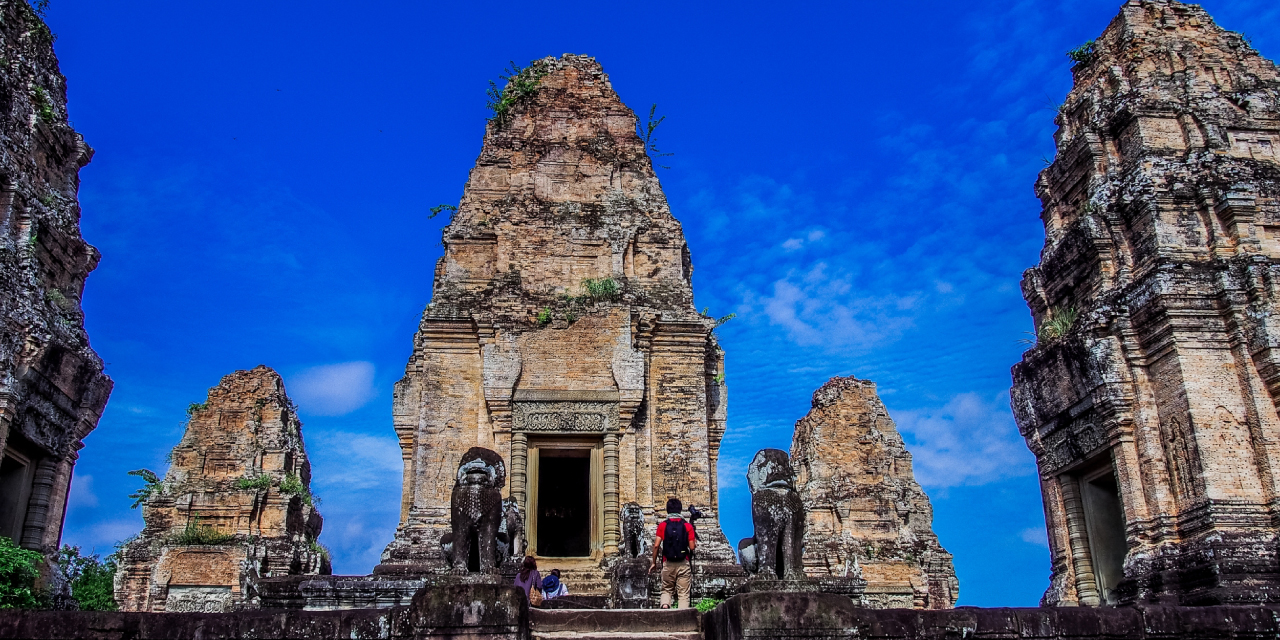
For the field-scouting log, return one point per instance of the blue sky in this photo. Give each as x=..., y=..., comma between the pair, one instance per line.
x=854, y=179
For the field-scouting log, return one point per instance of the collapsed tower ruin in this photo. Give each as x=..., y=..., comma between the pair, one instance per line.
x=562, y=334
x=1150, y=400
x=52, y=388
x=235, y=505
x=866, y=514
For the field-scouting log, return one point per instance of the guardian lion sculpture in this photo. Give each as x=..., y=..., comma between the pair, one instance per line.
x=778, y=515
x=476, y=513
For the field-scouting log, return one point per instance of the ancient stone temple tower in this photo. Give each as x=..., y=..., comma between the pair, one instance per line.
x=52, y=389
x=865, y=509
x=562, y=334
x=1150, y=398
x=235, y=505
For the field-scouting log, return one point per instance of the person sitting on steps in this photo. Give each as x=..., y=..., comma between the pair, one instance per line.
x=552, y=587
x=675, y=544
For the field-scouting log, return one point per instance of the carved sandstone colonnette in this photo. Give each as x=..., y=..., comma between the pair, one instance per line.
x=1150, y=399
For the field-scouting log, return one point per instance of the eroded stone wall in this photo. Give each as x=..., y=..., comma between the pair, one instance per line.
x=1150, y=398
x=234, y=506
x=865, y=509
x=514, y=349
x=52, y=388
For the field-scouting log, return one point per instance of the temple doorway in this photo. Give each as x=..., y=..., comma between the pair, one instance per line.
x=564, y=504
x=1104, y=524
x=564, y=500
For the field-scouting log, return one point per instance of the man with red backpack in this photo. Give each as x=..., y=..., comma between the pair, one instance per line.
x=675, y=544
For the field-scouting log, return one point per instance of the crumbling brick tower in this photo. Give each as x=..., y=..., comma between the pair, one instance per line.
x=1150, y=397
x=865, y=511
x=234, y=506
x=52, y=388
x=562, y=334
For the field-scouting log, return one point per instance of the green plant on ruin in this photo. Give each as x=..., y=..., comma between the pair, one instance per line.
x=646, y=134
x=518, y=84
x=44, y=108
x=1060, y=321
x=601, y=288
x=151, y=485
x=195, y=407
x=91, y=578
x=47, y=199
x=544, y=316
x=18, y=574
x=706, y=313
x=707, y=604
x=719, y=378
x=1084, y=53
x=55, y=297
x=440, y=208
x=318, y=548
x=258, y=483
x=203, y=534
x=292, y=486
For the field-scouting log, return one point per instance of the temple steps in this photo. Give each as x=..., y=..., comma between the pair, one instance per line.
x=582, y=577
x=615, y=624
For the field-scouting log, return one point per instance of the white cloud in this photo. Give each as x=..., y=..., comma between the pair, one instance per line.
x=333, y=389
x=792, y=244
x=818, y=308
x=82, y=494
x=367, y=460
x=969, y=441
x=106, y=534
x=1034, y=535
x=816, y=235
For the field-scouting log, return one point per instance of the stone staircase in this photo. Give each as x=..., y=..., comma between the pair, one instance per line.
x=615, y=624
x=583, y=577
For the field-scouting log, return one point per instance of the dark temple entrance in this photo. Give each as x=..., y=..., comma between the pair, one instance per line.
x=564, y=504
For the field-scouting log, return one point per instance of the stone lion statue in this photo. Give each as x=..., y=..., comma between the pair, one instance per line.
x=511, y=540
x=635, y=540
x=778, y=515
x=476, y=513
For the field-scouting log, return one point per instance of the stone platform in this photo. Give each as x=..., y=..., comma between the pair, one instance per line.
x=498, y=612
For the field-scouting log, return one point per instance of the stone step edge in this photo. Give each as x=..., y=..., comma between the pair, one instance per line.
x=620, y=635
x=614, y=620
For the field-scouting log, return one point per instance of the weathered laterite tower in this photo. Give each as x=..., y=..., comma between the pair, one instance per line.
x=562, y=334
x=1150, y=400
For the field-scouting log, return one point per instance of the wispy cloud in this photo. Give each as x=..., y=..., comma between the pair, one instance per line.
x=969, y=441
x=82, y=495
x=333, y=389
x=821, y=308
x=368, y=460
x=1035, y=535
